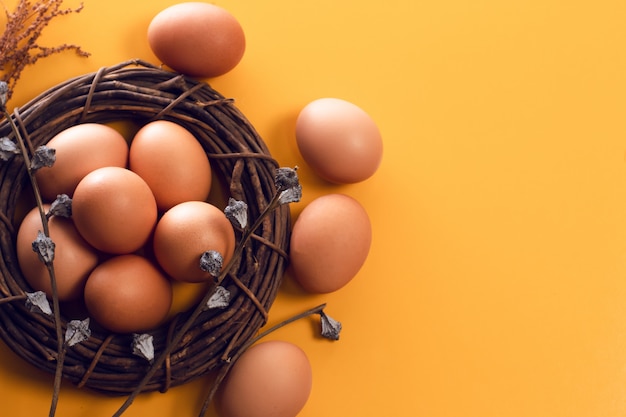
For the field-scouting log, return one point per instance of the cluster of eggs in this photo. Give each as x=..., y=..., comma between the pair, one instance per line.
x=139, y=216
x=337, y=139
x=330, y=239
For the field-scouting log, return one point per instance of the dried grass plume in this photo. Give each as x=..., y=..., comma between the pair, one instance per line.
x=19, y=45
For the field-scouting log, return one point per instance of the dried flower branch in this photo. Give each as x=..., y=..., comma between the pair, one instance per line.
x=18, y=44
x=19, y=48
x=44, y=246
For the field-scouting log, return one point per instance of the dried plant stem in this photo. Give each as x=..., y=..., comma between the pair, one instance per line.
x=55, y=298
x=58, y=374
x=158, y=362
x=231, y=361
x=19, y=45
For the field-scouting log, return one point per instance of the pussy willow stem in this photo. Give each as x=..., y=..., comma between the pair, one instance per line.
x=158, y=362
x=55, y=299
x=231, y=361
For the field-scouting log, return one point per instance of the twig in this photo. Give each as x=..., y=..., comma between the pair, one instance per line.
x=49, y=265
x=6, y=300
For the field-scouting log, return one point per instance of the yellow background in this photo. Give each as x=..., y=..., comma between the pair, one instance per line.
x=496, y=282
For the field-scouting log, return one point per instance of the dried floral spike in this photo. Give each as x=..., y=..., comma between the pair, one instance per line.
x=330, y=327
x=219, y=299
x=44, y=247
x=37, y=302
x=211, y=261
x=77, y=331
x=4, y=93
x=19, y=43
x=43, y=157
x=143, y=346
x=8, y=149
x=237, y=212
x=61, y=207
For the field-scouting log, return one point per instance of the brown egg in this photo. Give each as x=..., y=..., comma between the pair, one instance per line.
x=74, y=259
x=185, y=232
x=114, y=210
x=197, y=39
x=172, y=162
x=128, y=293
x=338, y=140
x=272, y=378
x=330, y=242
x=79, y=150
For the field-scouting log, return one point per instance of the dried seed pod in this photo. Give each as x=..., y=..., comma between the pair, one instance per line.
x=61, y=207
x=37, y=302
x=44, y=247
x=8, y=149
x=143, y=346
x=237, y=212
x=77, y=331
x=43, y=157
x=219, y=299
x=211, y=261
x=330, y=327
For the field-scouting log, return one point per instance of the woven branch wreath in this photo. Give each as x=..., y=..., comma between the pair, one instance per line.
x=140, y=92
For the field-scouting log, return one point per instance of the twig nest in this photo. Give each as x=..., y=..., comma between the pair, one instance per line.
x=109, y=361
